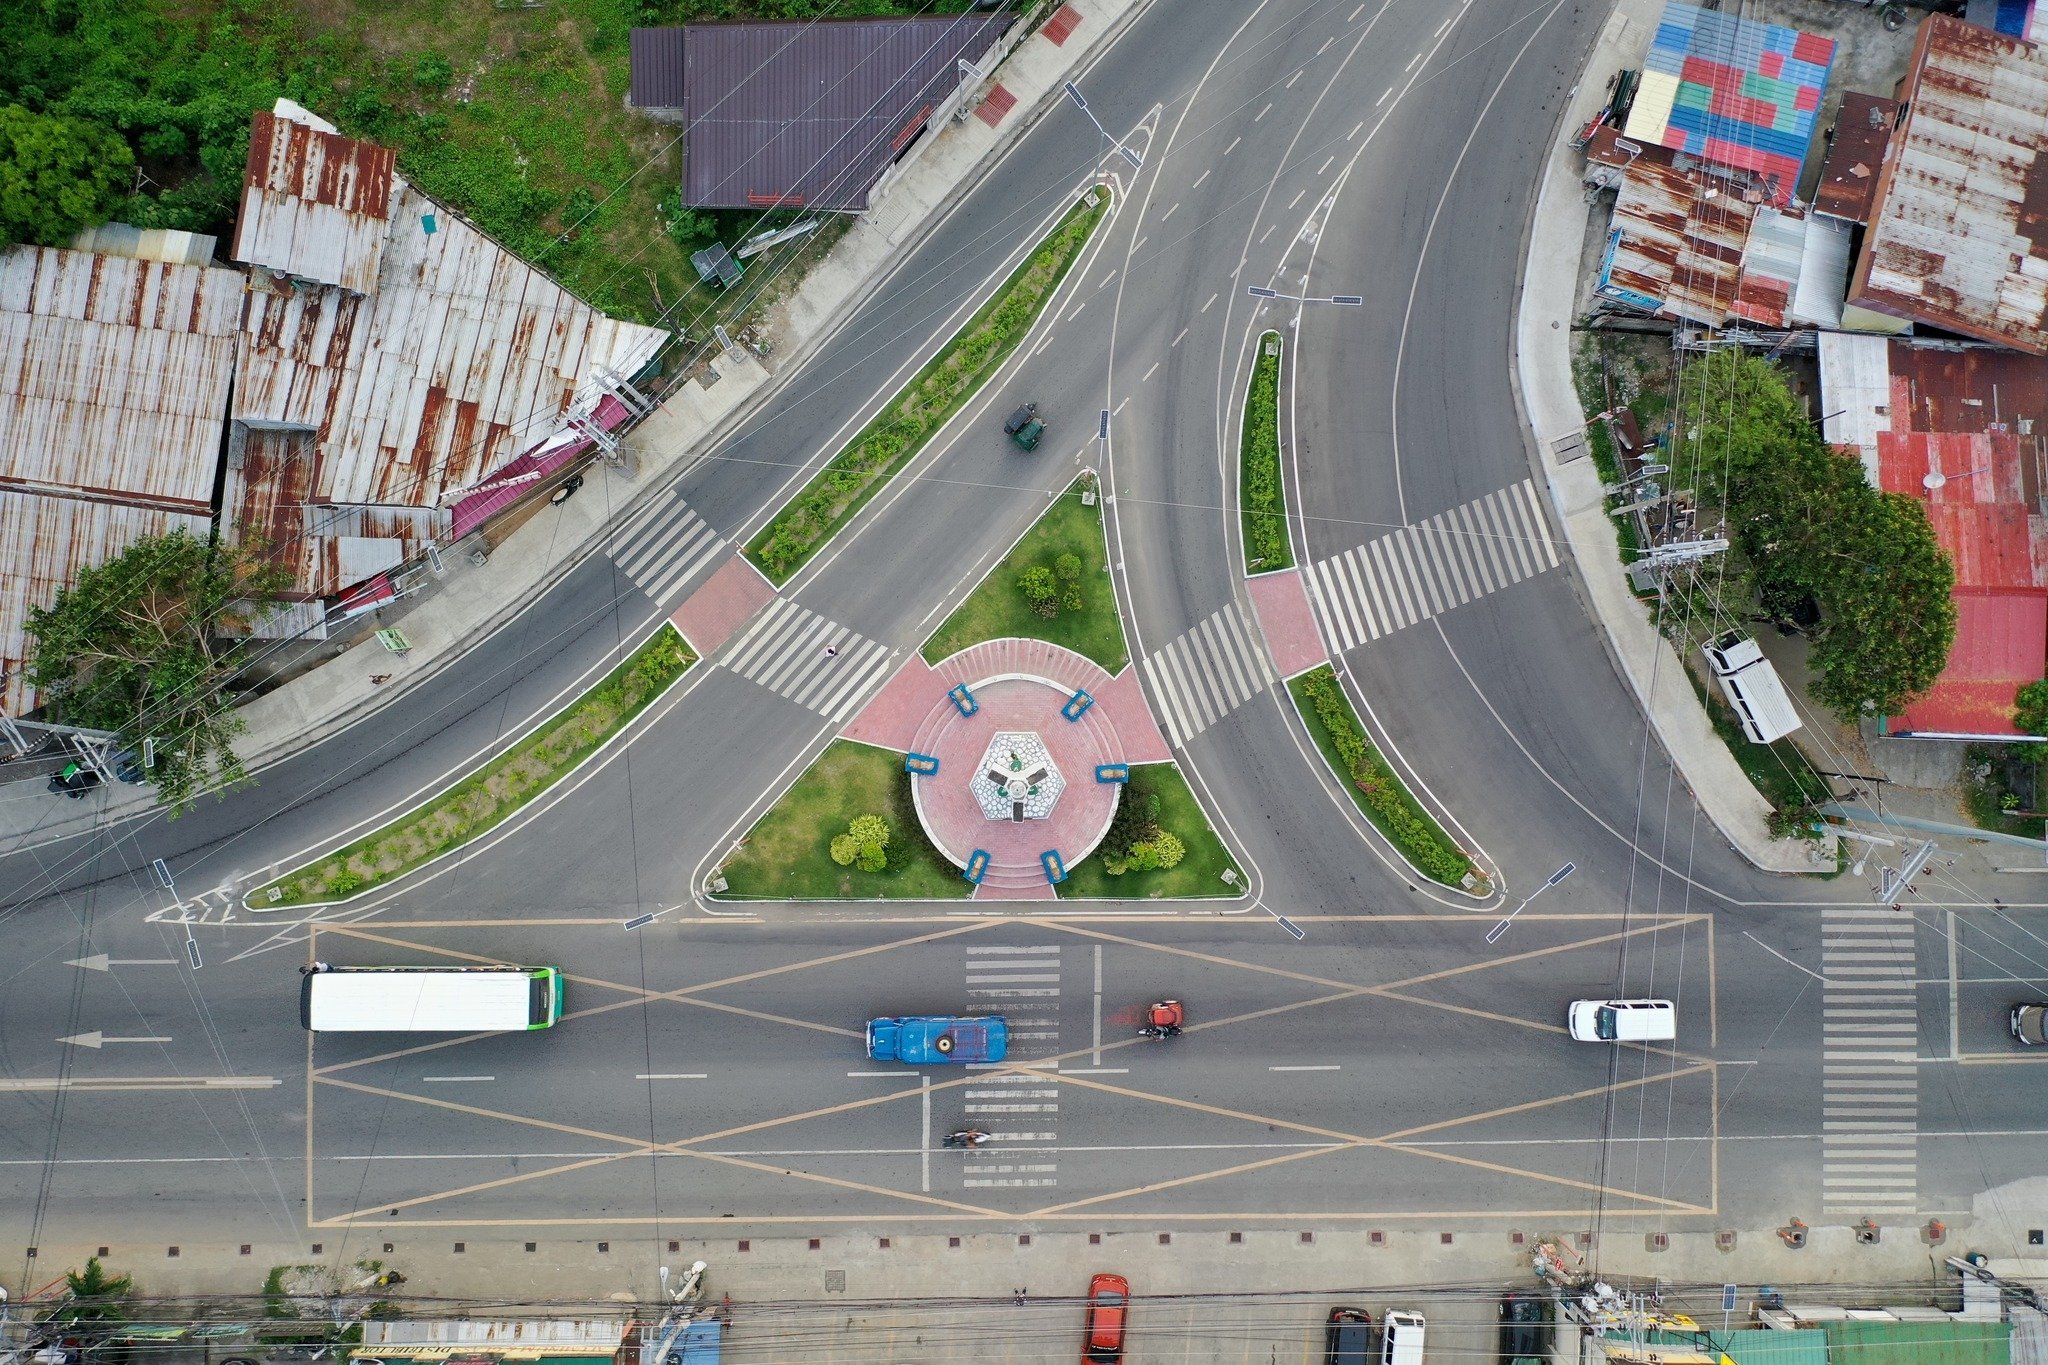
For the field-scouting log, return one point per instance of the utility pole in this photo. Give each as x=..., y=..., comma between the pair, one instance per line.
x=1892, y=885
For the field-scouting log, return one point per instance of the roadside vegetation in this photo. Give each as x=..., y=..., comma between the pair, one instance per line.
x=1053, y=585
x=847, y=830
x=145, y=646
x=486, y=798
x=1160, y=845
x=889, y=442
x=1380, y=794
x=1262, y=490
x=1780, y=771
x=138, y=110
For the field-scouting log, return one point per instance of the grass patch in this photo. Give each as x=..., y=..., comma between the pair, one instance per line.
x=1380, y=794
x=999, y=608
x=1201, y=868
x=1780, y=771
x=922, y=406
x=500, y=788
x=1261, y=490
x=787, y=854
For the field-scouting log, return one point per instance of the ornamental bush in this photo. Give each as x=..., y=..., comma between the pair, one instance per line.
x=845, y=848
x=1413, y=833
x=1040, y=589
x=869, y=829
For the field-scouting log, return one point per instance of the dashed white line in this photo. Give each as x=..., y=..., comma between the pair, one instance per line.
x=1169, y=213
x=1326, y=163
x=1383, y=97
x=1233, y=146
x=458, y=1078
x=1267, y=233
x=671, y=1076
x=1304, y=1068
x=1298, y=195
x=1200, y=178
x=1325, y=47
x=1179, y=339
x=1105, y=279
x=1446, y=24
x=1076, y=310
x=1212, y=299
x=1148, y=373
x=1095, y=1071
x=1295, y=77
x=1355, y=13
x=880, y=1073
x=1118, y=410
x=1140, y=242
x=1416, y=60
x=1262, y=113
x=1356, y=131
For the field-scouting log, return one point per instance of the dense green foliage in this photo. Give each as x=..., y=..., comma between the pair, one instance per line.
x=1136, y=841
x=2030, y=707
x=137, y=646
x=1261, y=491
x=1386, y=802
x=897, y=433
x=95, y=1295
x=57, y=175
x=1804, y=524
x=496, y=791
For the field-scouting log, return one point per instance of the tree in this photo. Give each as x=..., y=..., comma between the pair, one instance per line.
x=95, y=1295
x=872, y=858
x=1040, y=589
x=1804, y=523
x=144, y=646
x=2030, y=707
x=845, y=848
x=57, y=174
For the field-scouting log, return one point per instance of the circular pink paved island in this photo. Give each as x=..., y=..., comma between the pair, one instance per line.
x=1016, y=779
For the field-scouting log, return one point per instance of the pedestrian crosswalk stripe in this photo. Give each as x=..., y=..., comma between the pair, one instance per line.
x=1213, y=668
x=665, y=546
x=1433, y=566
x=784, y=651
x=1870, y=1090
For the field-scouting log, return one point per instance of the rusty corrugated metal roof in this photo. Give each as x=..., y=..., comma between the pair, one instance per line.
x=1770, y=267
x=1959, y=225
x=44, y=542
x=315, y=205
x=1678, y=238
x=457, y=358
x=805, y=113
x=1856, y=149
x=114, y=375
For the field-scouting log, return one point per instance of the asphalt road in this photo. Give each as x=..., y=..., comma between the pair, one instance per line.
x=1403, y=136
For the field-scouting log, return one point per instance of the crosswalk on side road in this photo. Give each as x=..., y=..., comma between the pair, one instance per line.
x=1870, y=1081
x=1424, y=570
x=1207, y=673
x=665, y=546
x=796, y=653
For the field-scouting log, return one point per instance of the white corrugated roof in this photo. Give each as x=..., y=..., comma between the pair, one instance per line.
x=1856, y=393
x=1823, y=274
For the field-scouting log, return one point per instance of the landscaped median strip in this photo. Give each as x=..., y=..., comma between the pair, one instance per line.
x=484, y=799
x=921, y=407
x=1261, y=493
x=1373, y=785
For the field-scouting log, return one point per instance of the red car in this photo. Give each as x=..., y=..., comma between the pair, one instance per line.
x=1109, y=1304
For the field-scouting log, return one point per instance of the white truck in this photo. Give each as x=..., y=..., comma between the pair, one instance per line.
x=1752, y=687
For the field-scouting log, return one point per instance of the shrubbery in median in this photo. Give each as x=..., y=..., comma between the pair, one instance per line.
x=1260, y=490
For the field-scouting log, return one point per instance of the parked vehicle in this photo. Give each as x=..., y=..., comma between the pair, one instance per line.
x=1024, y=427
x=2029, y=1023
x=1622, y=1021
x=1752, y=687
x=74, y=780
x=927, y=1040
x=1401, y=1339
x=1524, y=1329
x=1109, y=1303
x=1347, y=1337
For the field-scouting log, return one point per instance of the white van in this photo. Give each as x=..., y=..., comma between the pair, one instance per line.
x=1752, y=687
x=1623, y=1021
x=1401, y=1339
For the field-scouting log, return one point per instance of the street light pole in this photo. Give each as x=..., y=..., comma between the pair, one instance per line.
x=162, y=872
x=1074, y=93
x=1259, y=291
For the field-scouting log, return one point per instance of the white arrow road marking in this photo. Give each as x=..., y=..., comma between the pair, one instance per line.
x=96, y=1039
x=100, y=962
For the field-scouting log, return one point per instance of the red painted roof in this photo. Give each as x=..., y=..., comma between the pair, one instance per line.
x=2001, y=642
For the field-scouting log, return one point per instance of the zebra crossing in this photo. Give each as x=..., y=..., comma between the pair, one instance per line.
x=1207, y=673
x=1870, y=1034
x=1424, y=570
x=1018, y=1111
x=663, y=548
x=784, y=650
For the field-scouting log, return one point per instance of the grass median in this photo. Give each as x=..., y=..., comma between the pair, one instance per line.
x=883, y=447
x=1379, y=792
x=788, y=853
x=1261, y=492
x=489, y=796
x=1067, y=543
x=1157, y=798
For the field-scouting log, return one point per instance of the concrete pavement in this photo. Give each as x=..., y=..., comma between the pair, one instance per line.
x=1542, y=371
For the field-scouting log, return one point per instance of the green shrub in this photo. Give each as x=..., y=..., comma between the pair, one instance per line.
x=869, y=829
x=1040, y=589
x=1261, y=490
x=1168, y=849
x=1417, y=836
x=845, y=848
x=871, y=858
x=2030, y=708
x=433, y=73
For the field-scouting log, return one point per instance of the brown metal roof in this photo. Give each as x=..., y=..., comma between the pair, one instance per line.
x=44, y=542
x=314, y=204
x=1848, y=175
x=804, y=113
x=1959, y=225
x=114, y=375
x=1682, y=234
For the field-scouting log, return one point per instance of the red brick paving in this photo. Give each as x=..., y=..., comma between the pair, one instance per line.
x=1061, y=26
x=716, y=611
x=1287, y=621
x=996, y=103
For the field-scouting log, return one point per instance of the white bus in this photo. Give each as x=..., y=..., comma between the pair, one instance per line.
x=429, y=999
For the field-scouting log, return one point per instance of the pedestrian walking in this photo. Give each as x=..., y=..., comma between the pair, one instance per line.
x=379, y=679
x=831, y=651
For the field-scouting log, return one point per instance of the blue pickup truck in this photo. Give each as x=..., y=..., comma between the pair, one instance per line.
x=925, y=1040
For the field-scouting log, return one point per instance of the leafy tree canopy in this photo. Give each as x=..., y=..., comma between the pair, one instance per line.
x=1803, y=522
x=57, y=175
x=136, y=646
x=95, y=1295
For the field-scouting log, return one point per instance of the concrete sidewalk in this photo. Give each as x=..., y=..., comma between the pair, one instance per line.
x=467, y=603
x=1543, y=377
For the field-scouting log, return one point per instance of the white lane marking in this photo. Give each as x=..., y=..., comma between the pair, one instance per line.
x=458, y=1078
x=1354, y=132
x=905, y=1074
x=1212, y=299
x=1095, y=1071
x=1149, y=373
x=1262, y=113
x=1355, y=13
x=671, y=1076
x=1305, y=1068
x=1416, y=60
x=1169, y=213
x=1326, y=163
x=1325, y=47
x=1179, y=339
x=1296, y=76
x=1298, y=196
x=1233, y=146
x=1200, y=178
x=1105, y=279
x=1383, y=97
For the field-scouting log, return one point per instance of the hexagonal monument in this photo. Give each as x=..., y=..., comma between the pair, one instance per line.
x=1017, y=779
